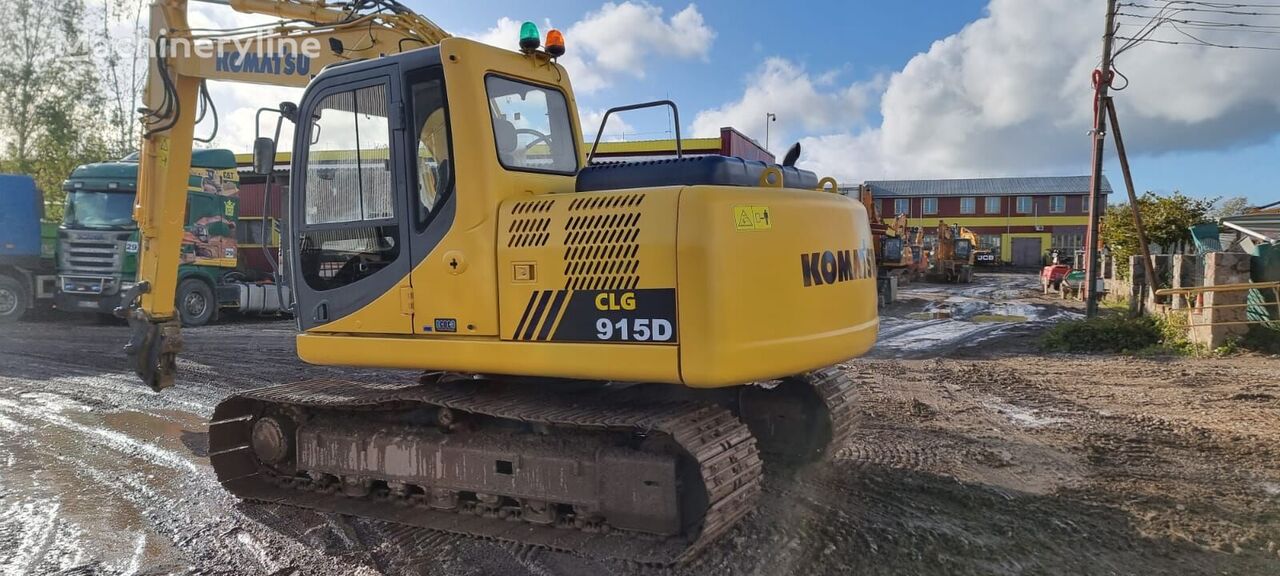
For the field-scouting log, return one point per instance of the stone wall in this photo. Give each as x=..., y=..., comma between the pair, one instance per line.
x=1202, y=311
x=1221, y=268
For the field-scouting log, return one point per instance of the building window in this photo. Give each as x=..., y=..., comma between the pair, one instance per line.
x=901, y=206
x=968, y=205
x=1057, y=204
x=989, y=241
x=1084, y=203
x=993, y=204
x=1024, y=204
x=930, y=205
x=1068, y=241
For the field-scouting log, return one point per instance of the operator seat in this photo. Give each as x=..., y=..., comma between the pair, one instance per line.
x=504, y=135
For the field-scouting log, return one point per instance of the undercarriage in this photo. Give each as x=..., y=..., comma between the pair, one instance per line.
x=644, y=473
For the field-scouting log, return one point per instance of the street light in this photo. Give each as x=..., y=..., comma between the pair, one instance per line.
x=768, y=117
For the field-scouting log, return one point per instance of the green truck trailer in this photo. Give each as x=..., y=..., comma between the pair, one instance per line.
x=97, y=247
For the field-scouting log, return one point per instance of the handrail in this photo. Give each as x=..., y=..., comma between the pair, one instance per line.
x=603, y=121
x=1218, y=288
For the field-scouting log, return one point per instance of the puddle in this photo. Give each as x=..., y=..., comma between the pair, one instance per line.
x=972, y=310
x=1024, y=417
x=997, y=318
x=196, y=442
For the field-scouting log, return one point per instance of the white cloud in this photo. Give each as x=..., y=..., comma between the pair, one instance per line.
x=804, y=104
x=1009, y=94
x=616, y=129
x=617, y=40
x=238, y=108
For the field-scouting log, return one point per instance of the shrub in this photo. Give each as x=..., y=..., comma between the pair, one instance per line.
x=1175, y=332
x=1112, y=333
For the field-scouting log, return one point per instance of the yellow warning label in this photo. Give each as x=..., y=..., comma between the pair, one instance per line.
x=752, y=218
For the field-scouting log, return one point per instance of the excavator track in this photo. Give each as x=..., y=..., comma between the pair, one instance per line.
x=803, y=418
x=381, y=451
x=836, y=390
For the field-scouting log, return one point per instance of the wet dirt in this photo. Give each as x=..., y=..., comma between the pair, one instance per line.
x=931, y=320
x=977, y=455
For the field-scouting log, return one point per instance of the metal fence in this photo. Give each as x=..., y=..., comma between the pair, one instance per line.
x=1261, y=310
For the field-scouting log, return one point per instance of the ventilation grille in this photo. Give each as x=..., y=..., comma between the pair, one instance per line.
x=530, y=229
x=601, y=252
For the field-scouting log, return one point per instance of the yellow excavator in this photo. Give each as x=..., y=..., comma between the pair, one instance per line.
x=977, y=254
x=953, y=254
x=607, y=351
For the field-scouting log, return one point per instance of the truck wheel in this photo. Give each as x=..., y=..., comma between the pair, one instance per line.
x=13, y=300
x=195, y=303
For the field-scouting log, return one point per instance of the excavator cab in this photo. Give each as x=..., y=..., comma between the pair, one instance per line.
x=378, y=164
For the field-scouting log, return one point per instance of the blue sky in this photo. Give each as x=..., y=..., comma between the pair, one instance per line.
x=918, y=89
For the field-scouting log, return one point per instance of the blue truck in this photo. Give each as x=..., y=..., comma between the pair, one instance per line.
x=27, y=246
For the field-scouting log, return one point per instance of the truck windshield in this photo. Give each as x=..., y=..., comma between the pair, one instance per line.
x=95, y=209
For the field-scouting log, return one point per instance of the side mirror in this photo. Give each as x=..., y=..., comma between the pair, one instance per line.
x=264, y=155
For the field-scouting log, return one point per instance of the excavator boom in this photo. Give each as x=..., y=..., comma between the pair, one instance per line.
x=309, y=37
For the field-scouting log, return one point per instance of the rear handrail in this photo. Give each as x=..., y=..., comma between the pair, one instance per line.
x=675, y=112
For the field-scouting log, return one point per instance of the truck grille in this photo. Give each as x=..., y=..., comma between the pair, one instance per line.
x=92, y=252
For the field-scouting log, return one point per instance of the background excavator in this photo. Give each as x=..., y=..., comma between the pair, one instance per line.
x=608, y=350
x=981, y=256
x=953, y=254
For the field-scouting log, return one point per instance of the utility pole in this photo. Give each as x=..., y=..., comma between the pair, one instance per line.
x=768, y=117
x=1147, y=265
x=1102, y=79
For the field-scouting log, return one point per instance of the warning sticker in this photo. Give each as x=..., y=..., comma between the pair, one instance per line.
x=752, y=218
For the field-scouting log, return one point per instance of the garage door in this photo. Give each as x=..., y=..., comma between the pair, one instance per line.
x=1026, y=252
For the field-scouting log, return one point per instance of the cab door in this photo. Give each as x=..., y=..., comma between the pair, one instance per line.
x=431, y=172
x=349, y=209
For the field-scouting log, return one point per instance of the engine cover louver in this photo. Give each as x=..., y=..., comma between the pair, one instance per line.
x=531, y=226
x=600, y=243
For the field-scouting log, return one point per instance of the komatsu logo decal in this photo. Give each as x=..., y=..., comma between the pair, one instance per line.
x=832, y=266
x=285, y=64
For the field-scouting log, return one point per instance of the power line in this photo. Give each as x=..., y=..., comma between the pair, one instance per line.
x=1172, y=13
x=1201, y=43
x=1169, y=5
x=1208, y=28
x=1198, y=22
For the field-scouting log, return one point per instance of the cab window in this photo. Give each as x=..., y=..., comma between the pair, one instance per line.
x=434, y=164
x=531, y=127
x=350, y=232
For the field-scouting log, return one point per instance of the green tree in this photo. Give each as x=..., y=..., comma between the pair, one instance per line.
x=1167, y=220
x=1234, y=206
x=51, y=118
x=120, y=54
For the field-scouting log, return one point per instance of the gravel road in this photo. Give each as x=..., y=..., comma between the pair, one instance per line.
x=978, y=456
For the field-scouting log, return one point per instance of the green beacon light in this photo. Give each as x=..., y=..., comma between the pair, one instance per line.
x=529, y=37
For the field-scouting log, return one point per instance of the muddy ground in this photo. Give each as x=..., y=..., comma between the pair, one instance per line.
x=978, y=455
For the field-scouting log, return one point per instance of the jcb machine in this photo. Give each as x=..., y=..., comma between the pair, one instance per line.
x=608, y=350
